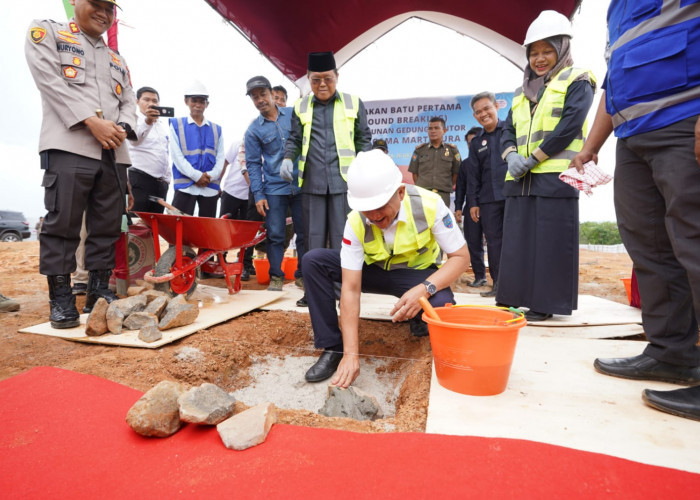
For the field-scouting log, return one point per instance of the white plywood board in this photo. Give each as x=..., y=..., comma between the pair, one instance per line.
x=595, y=318
x=216, y=306
x=555, y=396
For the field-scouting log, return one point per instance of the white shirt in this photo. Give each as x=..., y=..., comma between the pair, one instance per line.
x=235, y=183
x=188, y=170
x=445, y=230
x=149, y=153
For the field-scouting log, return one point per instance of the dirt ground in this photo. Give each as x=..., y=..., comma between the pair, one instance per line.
x=228, y=348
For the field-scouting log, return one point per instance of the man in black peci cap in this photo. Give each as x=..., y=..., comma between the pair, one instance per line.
x=328, y=129
x=380, y=144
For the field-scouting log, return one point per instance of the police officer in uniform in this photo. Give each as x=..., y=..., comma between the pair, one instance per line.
x=391, y=243
x=435, y=164
x=328, y=129
x=88, y=110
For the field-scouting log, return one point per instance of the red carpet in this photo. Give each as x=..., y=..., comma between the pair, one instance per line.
x=63, y=435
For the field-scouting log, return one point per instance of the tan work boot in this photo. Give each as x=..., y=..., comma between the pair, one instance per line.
x=276, y=284
x=7, y=304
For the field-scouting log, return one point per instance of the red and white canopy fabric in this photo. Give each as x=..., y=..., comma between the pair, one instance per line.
x=285, y=31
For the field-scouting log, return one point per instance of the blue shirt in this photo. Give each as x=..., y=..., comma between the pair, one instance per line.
x=264, y=152
x=653, y=75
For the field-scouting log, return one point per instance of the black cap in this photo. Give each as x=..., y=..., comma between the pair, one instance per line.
x=321, y=61
x=380, y=144
x=257, y=82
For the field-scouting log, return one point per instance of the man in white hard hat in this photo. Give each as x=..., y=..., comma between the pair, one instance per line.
x=391, y=244
x=197, y=150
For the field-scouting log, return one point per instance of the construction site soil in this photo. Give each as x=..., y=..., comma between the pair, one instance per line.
x=229, y=349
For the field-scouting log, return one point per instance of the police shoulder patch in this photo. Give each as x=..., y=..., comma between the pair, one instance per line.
x=447, y=221
x=37, y=34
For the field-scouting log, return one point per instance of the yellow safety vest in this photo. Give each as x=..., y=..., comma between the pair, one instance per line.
x=344, y=115
x=531, y=130
x=414, y=244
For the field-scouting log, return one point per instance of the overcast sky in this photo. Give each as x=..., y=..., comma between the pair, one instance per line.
x=168, y=44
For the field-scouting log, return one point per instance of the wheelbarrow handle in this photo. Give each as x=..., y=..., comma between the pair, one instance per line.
x=165, y=204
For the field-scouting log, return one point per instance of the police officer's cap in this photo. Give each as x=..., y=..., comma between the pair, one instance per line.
x=380, y=144
x=257, y=82
x=321, y=61
x=112, y=2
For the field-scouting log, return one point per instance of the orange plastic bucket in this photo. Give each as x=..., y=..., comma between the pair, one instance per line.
x=473, y=347
x=262, y=270
x=628, y=288
x=289, y=266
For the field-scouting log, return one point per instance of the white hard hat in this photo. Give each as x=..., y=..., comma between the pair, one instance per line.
x=373, y=178
x=548, y=23
x=196, y=88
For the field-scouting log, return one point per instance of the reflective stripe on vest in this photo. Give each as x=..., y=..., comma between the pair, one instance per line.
x=202, y=160
x=532, y=130
x=414, y=244
x=652, y=67
x=345, y=110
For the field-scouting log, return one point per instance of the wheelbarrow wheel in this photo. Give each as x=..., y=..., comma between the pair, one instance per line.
x=185, y=283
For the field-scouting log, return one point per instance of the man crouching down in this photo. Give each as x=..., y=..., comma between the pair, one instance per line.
x=391, y=244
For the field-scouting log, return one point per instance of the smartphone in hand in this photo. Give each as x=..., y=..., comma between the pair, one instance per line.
x=165, y=111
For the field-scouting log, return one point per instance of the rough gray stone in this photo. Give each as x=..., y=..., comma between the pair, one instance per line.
x=156, y=306
x=178, y=315
x=97, y=321
x=138, y=320
x=153, y=294
x=135, y=290
x=157, y=413
x=206, y=404
x=351, y=403
x=178, y=300
x=150, y=333
x=144, y=283
x=248, y=428
x=125, y=307
x=114, y=317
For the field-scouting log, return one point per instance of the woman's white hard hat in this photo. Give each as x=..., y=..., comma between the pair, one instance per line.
x=373, y=178
x=549, y=23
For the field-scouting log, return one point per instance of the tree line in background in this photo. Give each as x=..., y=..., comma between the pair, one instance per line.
x=599, y=233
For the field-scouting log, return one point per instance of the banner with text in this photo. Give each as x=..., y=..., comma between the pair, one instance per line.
x=403, y=123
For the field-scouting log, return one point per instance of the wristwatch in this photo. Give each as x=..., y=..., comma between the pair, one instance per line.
x=432, y=289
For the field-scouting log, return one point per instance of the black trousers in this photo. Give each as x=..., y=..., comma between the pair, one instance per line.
x=235, y=207
x=474, y=235
x=74, y=184
x=491, y=217
x=657, y=203
x=322, y=270
x=252, y=214
x=143, y=186
x=186, y=202
x=324, y=219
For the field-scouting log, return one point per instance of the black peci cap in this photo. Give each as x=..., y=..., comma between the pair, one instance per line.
x=321, y=61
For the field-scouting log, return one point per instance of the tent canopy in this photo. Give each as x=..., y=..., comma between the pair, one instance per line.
x=285, y=31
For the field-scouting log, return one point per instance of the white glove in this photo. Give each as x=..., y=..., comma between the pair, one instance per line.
x=287, y=169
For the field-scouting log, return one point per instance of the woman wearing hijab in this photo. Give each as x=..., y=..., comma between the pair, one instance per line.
x=544, y=130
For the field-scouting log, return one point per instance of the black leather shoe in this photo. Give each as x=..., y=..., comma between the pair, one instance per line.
x=644, y=367
x=681, y=402
x=418, y=327
x=477, y=283
x=325, y=367
x=245, y=275
x=537, y=316
x=98, y=287
x=492, y=292
x=79, y=288
x=302, y=302
x=64, y=314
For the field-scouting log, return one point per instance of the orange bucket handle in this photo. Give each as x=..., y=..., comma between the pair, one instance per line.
x=519, y=315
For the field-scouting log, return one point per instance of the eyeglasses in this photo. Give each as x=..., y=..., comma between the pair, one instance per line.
x=327, y=80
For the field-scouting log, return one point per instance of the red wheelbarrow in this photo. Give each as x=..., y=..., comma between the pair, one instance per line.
x=177, y=269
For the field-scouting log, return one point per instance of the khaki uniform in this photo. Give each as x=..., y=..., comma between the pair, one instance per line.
x=435, y=168
x=77, y=75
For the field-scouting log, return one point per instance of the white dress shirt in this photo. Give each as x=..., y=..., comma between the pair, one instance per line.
x=149, y=152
